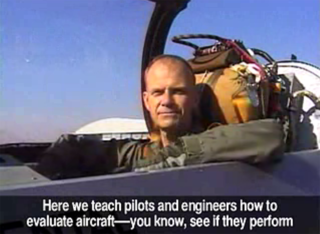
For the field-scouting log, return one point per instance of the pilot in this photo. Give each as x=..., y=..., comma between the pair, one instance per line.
x=171, y=98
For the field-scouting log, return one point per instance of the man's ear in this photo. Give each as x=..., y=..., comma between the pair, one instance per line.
x=146, y=99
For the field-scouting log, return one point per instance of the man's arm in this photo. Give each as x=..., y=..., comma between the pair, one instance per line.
x=74, y=156
x=254, y=142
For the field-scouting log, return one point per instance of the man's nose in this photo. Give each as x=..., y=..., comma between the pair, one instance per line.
x=167, y=98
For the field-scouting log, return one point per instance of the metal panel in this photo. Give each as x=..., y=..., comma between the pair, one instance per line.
x=297, y=174
x=13, y=172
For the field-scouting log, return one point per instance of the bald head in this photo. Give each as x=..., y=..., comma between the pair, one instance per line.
x=172, y=63
x=170, y=95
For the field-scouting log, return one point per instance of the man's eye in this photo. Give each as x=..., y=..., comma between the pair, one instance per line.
x=180, y=91
x=156, y=93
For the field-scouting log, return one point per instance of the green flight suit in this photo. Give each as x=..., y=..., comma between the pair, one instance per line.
x=254, y=142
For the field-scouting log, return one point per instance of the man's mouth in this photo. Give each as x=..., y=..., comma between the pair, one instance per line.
x=168, y=113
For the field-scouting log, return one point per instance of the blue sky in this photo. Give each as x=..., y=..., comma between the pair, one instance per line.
x=65, y=63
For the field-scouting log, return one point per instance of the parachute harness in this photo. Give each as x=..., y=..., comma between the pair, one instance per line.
x=249, y=68
x=265, y=88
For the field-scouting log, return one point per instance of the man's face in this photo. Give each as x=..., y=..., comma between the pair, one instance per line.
x=170, y=96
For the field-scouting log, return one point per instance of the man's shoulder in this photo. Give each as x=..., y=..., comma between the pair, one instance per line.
x=260, y=123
